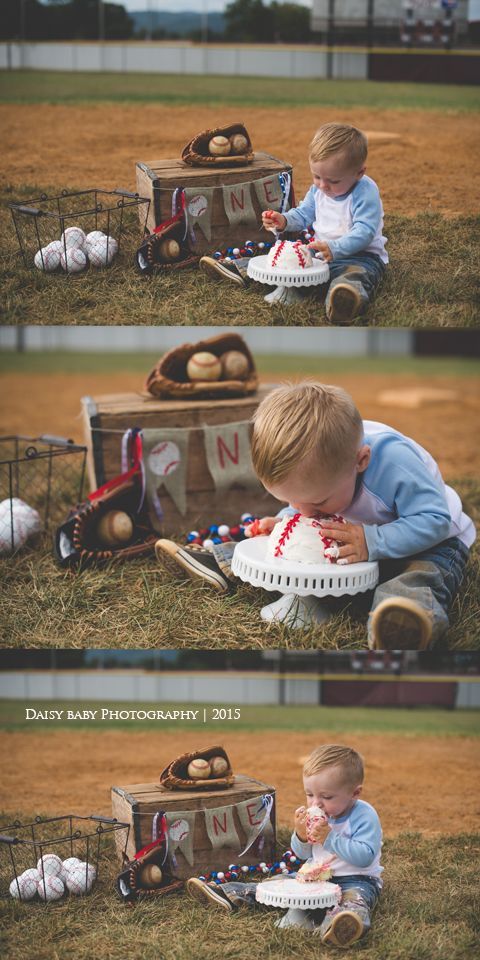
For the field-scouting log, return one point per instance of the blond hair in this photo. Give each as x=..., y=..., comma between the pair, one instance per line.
x=299, y=419
x=336, y=755
x=339, y=138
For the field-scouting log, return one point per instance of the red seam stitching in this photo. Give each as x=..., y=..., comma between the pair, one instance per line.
x=281, y=244
x=290, y=525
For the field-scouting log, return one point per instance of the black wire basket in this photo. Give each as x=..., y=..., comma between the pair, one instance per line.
x=50, y=858
x=41, y=225
x=47, y=474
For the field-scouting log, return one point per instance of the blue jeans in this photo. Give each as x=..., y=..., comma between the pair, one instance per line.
x=364, y=272
x=243, y=894
x=431, y=578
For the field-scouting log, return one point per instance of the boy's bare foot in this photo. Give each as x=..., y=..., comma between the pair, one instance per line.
x=399, y=624
x=344, y=303
x=198, y=564
x=221, y=270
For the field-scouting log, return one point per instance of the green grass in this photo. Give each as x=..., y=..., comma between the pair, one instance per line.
x=432, y=282
x=428, y=911
x=51, y=361
x=414, y=722
x=30, y=86
x=138, y=605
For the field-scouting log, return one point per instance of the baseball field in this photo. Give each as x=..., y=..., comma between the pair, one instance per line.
x=138, y=604
x=421, y=775
x=78, y=131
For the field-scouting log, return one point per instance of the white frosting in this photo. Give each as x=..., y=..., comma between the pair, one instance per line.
x=301, y=540
x=289, y=255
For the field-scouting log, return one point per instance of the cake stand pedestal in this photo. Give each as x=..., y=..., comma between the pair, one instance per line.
x=295, y=580
x=286, y=892
x=259, y=269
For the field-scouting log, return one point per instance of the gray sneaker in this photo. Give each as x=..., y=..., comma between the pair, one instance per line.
x=222, y=270
x=197, y=563
x=210, y=894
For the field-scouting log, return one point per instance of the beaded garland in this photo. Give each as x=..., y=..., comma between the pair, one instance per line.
x=220, y=532
x=251, y=249
x=288, y=864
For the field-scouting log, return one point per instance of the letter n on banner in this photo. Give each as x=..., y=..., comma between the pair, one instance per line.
x=227, y=448
x=237, y=202
x=221, y=828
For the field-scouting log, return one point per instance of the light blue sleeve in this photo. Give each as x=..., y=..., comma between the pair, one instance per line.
x=299, y=848
x=302, y=217
x=361, y=848
x=366, y=215
x=400, y=479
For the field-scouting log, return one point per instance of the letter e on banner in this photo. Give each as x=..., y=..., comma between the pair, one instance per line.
x=255, y=815
x=269, y=197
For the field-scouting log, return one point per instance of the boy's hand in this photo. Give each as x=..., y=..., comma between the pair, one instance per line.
x=301, y=823
x=351, y=539
x=272, y=220
x=318, y=832
x=263, y=526
x=323, y=248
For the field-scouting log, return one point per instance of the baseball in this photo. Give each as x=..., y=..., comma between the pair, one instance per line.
x=50, y=887
x=50, y=865
x=74, y=260
x=199, y=769
x=178, y=830
x=239, y=143
x=151, y=876
x=169, y=250
x=18, y=522
x=24, y=887
x=48, y=258
x=164, y=458
x=235, y=365
x=218, y=766
x=70, y=864
x=219, y=147
x=73, y=237
x=81, y=879
x=204, y=366
x=114, y=528
x=101, y=250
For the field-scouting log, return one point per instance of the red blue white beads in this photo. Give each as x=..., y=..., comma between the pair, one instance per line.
x=289, y=864
x=220, y=533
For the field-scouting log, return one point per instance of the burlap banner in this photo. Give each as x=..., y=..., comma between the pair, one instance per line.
x=237, y=202
x=198, y=210
x=221, y=828
x=165, y=461
x=270, y=193
x=181, y=829
x=255, y=819
x=227, y=447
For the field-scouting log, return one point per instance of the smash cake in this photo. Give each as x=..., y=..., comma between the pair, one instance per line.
x=289, y=255
x=315, y=871
x=301, y=540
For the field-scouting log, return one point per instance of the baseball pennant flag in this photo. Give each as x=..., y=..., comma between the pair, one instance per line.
x=221, y=828
x=229, y=460
x=237, y=202
x=165, y=463
x=255, y=819
x=270, y=193
x=198, y=210
x=181, y=830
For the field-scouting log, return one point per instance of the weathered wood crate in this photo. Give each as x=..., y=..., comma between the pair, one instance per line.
x=139, y=803
x=157, y=179
x=105, y=418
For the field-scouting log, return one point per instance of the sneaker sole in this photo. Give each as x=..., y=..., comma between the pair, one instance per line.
x=175, y=562
x=214, y=270
x=345, y=930
x=399, y=626
x=344, y=306
x=207, y=896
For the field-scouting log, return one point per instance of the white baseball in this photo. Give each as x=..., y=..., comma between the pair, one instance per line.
x=93, y=235
x=71, y=863
x=50, y=888
x=48, y=258
x=18, y=522
x=197, y=205
x=164, y=458
x=50, y=865
x=81, y=878
x=74, y=261
x=219, y=146
x=25, y=887
x=178, y=830
x=73, y=237
x=102, y=250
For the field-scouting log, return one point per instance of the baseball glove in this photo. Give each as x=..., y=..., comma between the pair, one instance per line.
x=176, y=777
x=139, y=880
x=155, y=252
x=196, y=153
x=169, y=377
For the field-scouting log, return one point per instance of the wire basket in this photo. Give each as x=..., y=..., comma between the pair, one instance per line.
x=41, y=221
x=47, y=473
x=73, y=850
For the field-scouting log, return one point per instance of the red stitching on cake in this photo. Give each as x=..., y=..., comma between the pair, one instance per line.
x=297, y=246
x=289, y=526
x=281, y=244
x=328, y=541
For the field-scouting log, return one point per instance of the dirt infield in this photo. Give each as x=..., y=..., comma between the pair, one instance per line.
x=98, y=146
x=427, y=784
x=50, y=403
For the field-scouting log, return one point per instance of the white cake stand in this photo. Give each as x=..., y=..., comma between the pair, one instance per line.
x=249, y=563
x=259, y=269
x=287, y=892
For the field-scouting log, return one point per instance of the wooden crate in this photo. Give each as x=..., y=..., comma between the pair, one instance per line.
x=138, y=803
x=157, y=179
x=106, y=417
